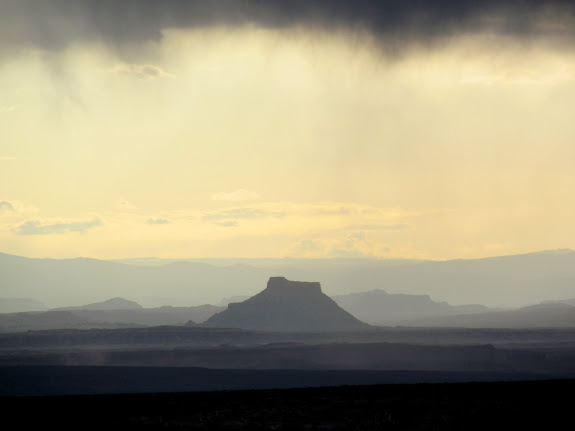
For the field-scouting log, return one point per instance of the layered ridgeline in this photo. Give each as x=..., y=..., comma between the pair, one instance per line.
x=498, y=282
x=286, y=305
x=377, y=307
x=113, y=313
x=110, y=304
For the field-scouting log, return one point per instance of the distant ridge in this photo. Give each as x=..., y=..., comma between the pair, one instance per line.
x=377, y=307
x=110, y=304
x=286, y=305
x=497, y=282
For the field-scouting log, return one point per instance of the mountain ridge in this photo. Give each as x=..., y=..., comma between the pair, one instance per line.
x=109, y=304
x=509, y=281
x=378, y=307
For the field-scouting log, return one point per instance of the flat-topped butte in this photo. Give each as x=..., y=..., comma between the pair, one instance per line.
x=286, y=305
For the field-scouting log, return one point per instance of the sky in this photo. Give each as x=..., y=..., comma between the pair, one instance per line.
x=271, y=128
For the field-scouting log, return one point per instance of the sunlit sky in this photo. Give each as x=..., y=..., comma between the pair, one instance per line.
x=300, y=140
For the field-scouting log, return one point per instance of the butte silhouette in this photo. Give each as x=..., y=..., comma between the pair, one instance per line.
x=286, y=305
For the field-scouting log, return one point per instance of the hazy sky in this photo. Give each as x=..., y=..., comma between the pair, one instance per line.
x=440, y=129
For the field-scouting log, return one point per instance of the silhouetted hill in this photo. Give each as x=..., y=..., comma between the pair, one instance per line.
x=377, y=307
x=287, y=306
x=110, y=304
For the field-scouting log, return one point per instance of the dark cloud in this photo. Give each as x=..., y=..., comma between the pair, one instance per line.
x=37, y=228
x=6, y=206
x=53, y=24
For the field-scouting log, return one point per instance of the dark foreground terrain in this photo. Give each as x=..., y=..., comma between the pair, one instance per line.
x=80, y=380
x=446, y=406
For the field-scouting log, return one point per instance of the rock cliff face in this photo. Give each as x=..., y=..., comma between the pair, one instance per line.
x=287, y=306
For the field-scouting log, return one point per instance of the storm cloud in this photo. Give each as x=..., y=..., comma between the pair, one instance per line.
x=434, y=129
x=55, y=24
